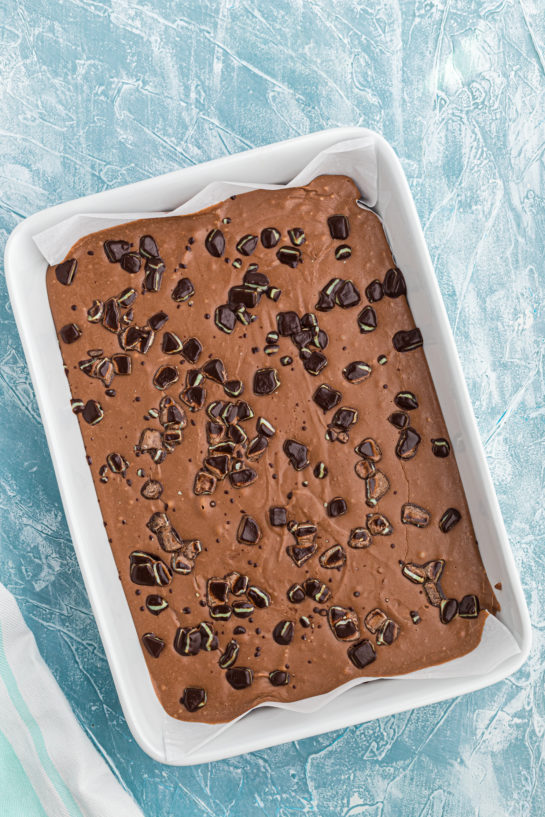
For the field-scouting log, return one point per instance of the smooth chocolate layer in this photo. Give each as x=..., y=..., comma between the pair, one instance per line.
x=268, y=451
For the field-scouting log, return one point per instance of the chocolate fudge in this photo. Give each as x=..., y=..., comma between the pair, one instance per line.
x=273, y=469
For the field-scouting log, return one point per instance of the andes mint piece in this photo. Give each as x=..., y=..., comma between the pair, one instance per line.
x=273, y=293
x=406, y=401
x=187, y=640
x=158, y=320
x=412, y=514
x=415, y=616
x=257, y=447
x=450, y=518
x=300, y=553
x=344, y=418
x=247, y=244
x=291, y=256
x=302, y=339
x=469, y=607
x=297, y=236
x=215, y=243
x=339, y=227
x=239, y=677
x=229, y=655
x=325, y=302
x=362, y=653
x=288, y=323
x=237, y=583
x=357, y=372
x=297, y=454
x=434, y=569
x=70, y=333
x=399, y=419
x=270, y=237
x=154, y=270
x=217, y=591
x=408, y=443
x=192, y=350
x=388, y=633
x=440, y=447
x=148, y=570
x=248, y=532
x=242, y=609
x=148, y=247
x=215, y=370
x=314, y=363
x=242, y=478
x=66, y=271
x=333, y=558
x=258, y=597
x=151, y=489
x=171, y=344
x=382, y=360
x=320, y=470
x=374, y=291
x=95, y=313
x=220, y=612
x=448, y=610
x=245, y=296
x=233, y=388
x=165, y=377
x=229, y=413
x=126, y=298
x=278, y=516
x=375, y=620
x=279, y=678
x=415, y=573
x=367, y=319
x=365, y=468
x=218, y=465
x=336, y=507
x=153, y=644
x=170, y=414
x=296, y=594
x=326, y=398
x=266, y=381
x=183, y=290
x=376, y=486
x=77, y=405
x=115, y=250
x=406, y=341
x=286, y=360
x=204, y=484
x=283, y=632
x=378, y=525
x=215, y=432
x=225, y=319
x=433, y=592
x=194, y=698
x=347, y=295
x=111, y=319
x=116, y=463
x=359, y=538
x=343, y=623
x=369, y=449
x=394, y=283
x=244, y=412
x=343, y=252
x=317, y=590
x=131, y=262
x=255, y=280
x=156, y=604
x=92, y=412
x=209, y=639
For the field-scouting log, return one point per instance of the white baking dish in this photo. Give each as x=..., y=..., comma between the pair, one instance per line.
x=161, y=736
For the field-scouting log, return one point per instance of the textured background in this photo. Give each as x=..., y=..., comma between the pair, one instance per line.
x=98, y=93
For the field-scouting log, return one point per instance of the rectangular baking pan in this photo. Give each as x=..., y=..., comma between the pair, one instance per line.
x=161, y=736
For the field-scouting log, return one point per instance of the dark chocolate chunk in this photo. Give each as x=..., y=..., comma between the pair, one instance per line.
x=165, y=377
x=440, y=447
x=248, y=532
x=408, y=443
x=406, y=401
x=156, y=604
x=70, y=333
x=66, y=271
x=336, y=507
x=131, y=262
x=412, y=514
x=297, y=453
x=357, y=372
x=243, y=477
x=296, y=594
x=302, y=339
x=278, y=516
x=406, y=341
x=399, y=419
x=347, y=295
x=153, y=644
x=469, y=607
x=374, y=291
x=283, y=632
x=229, y=655
x=171, y=344
x=343, y=252
x=314, y=363
x=367, y=319
x=369, y=449
x=215, y=370
x=279, y=678
x=111, y=318
x=359, y=538
x=288, y=323
x=266, y=381
x=158, y=320
x=215, y=243
x=239, y=677
x=148, y=247
x=297, y=236
x=188, y=640
x=291, y=256
x=270, y=237
x=450, y=518
x=326, y=398
x=362, y=653
x=448, y=610
x=115, y=250
x=339, y=227
x=243, y=296
x=225, y=318
x=192, y=350
x=333, y=558
x=258, y=597
x=183, y=290
x=194, y=698
x=247, y=244
x=394, y=283
x=92, y=412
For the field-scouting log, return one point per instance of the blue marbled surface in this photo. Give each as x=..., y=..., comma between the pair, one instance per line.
x=97, y=93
